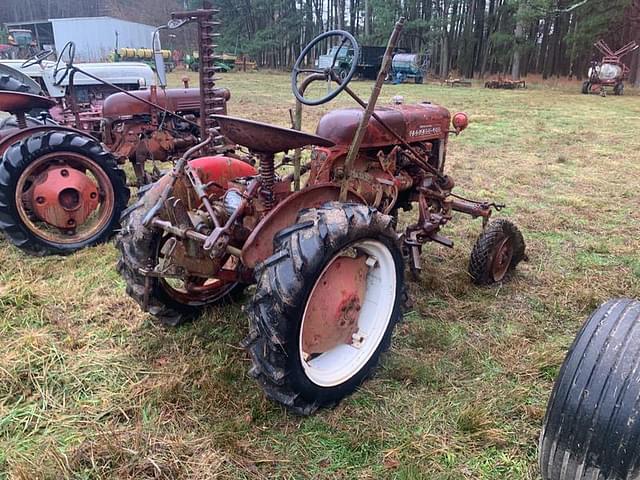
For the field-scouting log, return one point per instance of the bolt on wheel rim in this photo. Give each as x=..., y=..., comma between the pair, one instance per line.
x=370, y=302
x=85, y=181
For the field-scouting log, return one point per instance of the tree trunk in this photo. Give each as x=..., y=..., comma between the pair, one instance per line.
x=367, y=18
x=519, y=37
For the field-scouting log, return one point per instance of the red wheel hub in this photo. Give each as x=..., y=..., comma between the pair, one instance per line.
x=333, y=309
x=502, y=257
x=64, y=197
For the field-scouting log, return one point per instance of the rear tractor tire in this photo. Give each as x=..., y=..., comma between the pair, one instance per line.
x=171, y=302
x=60, y=192
x=591, y=428
x=325, y=306
x=496, y=253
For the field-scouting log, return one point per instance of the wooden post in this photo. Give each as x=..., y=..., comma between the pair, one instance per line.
x=297, y=125
x=371, y=105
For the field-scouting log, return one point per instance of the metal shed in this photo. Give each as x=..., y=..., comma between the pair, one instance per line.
x=95, y=37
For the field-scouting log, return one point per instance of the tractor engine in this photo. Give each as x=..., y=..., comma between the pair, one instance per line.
x=138, y=132
x=383, y=169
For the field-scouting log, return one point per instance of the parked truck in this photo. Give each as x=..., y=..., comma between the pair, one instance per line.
x=369, y=60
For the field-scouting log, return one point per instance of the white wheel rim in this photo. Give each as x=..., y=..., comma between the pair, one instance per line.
x=343, y=362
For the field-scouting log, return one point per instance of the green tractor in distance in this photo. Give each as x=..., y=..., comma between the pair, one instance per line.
x=17, y=43
x=222, y=63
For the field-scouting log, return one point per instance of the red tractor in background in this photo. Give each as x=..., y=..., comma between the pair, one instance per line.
x=328, y=260
x=62, y=187
x=608, y=72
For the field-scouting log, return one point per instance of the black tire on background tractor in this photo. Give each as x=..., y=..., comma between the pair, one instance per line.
x=618, y=89
x=17, y=159
x=286, y=282
x=419, y=80
x=586, y=87
x=591, y=429
x=140, y=249
x=497, y=251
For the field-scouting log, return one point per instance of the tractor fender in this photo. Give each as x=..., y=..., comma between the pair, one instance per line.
x=221, y=169
x=259, y=245
x=12, y=135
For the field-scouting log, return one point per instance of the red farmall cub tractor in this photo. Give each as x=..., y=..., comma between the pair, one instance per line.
x=610, y=71
x=327, y=260
x=62, y=186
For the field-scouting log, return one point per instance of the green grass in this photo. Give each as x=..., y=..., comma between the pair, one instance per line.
x=91, y=388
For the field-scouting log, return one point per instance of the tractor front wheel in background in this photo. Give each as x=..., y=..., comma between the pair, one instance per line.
x=60, y=192
x=325, y=306
x=498, y=250
x=586, y=87
x=591, y=428
x=172, y=301
x=618, y=89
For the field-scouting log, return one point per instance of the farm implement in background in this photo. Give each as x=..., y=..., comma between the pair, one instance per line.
x=505, y=84
x=610, y=71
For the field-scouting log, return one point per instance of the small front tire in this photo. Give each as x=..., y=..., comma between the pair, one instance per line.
x=498, y=250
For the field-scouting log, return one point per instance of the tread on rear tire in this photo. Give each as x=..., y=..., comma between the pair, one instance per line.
x=16, y=160
x=284, y=284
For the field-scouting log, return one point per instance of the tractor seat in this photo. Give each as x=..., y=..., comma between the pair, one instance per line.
x=265, y=138
x=16, y=102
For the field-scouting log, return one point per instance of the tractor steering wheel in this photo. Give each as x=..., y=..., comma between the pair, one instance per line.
x=70, y=50
x=37, y=58
x=328, y=74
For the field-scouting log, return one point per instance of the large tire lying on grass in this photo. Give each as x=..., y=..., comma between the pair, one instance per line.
x=592, y=426
x=311, y=271
x=25, y=163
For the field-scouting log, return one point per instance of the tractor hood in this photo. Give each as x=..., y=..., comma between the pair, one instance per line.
x=123, y=74
x=414, y=123
x=173, y=99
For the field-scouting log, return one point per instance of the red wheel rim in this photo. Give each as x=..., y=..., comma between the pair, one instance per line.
x=502, y=256
x=80, y=167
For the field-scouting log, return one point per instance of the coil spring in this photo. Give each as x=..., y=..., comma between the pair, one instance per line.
x=268, y=176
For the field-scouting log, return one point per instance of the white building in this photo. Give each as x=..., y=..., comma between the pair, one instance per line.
x=95, y=37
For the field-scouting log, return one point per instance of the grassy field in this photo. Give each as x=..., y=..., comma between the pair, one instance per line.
x=91, y=388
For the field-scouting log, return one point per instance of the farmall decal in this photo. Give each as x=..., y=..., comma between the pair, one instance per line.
x=424, y=131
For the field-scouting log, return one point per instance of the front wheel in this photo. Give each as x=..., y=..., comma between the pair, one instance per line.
x=325, y=305
x=498, y=250
x=586, y=87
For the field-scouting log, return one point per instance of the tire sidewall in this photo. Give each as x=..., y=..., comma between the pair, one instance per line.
x=298, y=378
